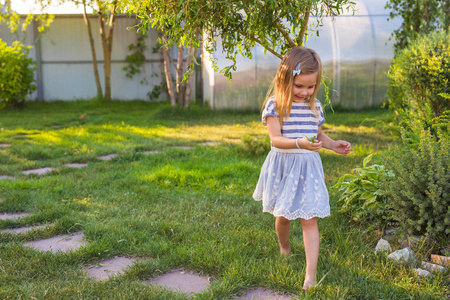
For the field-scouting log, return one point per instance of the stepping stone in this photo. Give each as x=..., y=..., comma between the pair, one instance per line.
x=109, y=268
x=40, y=171
x=22, y=229
x=210, y=143
x=183, y=147
x=7, y=177
x=62, y=243
x=5, y=145
x=13, y=216
x=151, y=152
x=107, y=157
x=76, y=165
x=181, y=281
x=260, y=294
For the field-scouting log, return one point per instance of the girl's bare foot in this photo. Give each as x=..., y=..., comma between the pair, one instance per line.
x=285, y=251
x=309, y=283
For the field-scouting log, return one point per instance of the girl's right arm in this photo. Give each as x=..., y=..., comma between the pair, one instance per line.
x=278, y=141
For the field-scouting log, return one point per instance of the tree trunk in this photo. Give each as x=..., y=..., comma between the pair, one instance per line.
x=94, y=55
x=187, y=95
x=169, y=81
x=107, y=40
x=179, y=78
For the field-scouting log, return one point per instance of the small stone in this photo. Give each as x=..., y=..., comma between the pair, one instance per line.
x=390, y=231
x=107, y=157
x=76, y=165
x=261, y=294
x=108, y=268
x=383, y=245
x=180, y=281
x=13, y=216
x=184, y=147
x=40, y=171
x=423, y=273
x=7, y=177
x=440, y=260
x=64, y=243
x=5, y=145
x=433, y=268
x=445, y=251
x=151, y=152
x=22, y=229
x=403, y=255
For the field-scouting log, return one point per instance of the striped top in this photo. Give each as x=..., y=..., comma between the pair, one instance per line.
x=301, y=122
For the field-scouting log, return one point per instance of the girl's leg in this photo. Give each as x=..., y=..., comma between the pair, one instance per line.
x=311, y=240
x=282, y=226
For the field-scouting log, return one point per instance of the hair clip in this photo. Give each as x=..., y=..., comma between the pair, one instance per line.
x=297, y=70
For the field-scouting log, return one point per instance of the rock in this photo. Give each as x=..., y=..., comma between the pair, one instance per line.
x=383, y=245
x=422, y=273
x=403, y=255
x=445, y=251
x=440, y=260
x=433, y=268
x=390, y=231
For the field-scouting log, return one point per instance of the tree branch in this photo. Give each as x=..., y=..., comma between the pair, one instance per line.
x=302, y=32
x=286, y=36
x=259, y=42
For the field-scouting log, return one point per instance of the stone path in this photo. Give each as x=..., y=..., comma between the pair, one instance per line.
x=76, y=165
x=185, y=282
x=181, y=281
x=260, y=294
x=13, y=216
x=107, y=157
x=40, y=171
x=23, y=229
x=61, y=243
x=108, y=268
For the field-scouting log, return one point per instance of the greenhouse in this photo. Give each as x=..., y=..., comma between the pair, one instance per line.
x=355, y=49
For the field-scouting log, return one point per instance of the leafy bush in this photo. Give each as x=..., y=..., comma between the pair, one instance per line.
x=16, y=74
x=419, y=193
x=420, y=76
x=361, y=195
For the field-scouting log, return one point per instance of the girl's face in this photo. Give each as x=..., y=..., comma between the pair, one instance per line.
x=303, y=87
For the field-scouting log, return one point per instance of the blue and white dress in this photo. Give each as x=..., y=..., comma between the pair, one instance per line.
x=291, y=183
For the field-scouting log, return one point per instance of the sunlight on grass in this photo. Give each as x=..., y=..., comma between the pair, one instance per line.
x=189, y=209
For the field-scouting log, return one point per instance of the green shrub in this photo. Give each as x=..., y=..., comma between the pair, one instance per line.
x=419, y=193
x=360, y=195
x=16, y=74
x=419, y=77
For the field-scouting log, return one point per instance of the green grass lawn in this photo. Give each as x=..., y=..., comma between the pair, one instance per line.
x=190, y=209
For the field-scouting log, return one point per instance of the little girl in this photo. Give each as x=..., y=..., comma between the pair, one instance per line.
x=291, y=184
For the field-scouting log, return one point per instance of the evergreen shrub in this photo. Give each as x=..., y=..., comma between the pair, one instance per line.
x=16, y=74
x=419, y=77
x=419, y=192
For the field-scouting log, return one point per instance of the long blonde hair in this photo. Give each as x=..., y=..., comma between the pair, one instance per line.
x=281, y=88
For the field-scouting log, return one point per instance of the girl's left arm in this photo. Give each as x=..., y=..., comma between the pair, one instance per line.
x=341, y=147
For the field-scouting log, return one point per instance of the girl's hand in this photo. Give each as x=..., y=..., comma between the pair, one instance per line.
x=342, y=147
x=311, y=146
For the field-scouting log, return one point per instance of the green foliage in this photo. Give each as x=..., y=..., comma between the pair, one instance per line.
x=136, y=59
x=419, y=194
x=420, y=77
x=276, y=25
x=255, y=146
x=418, y=17
x=361, y=195
x=16, y=74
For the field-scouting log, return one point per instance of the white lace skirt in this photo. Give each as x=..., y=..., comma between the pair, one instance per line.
x=292, y=185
